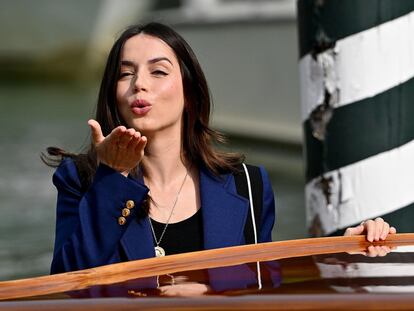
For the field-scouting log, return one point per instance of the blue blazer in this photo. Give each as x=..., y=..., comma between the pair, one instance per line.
x=88, y=233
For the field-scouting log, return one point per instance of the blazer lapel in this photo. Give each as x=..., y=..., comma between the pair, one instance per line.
x=137, y=240
x=224, y=211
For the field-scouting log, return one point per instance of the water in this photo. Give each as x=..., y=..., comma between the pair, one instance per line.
x=37, y=115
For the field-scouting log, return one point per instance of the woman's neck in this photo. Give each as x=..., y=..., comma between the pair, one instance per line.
x=171, y=179
x=164, y=162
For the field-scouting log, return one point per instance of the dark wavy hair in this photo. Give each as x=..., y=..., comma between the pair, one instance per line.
x=199, y=140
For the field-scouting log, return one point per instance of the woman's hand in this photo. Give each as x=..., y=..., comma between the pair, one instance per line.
x=375, y=230
x=121, y=150
x=190, y=289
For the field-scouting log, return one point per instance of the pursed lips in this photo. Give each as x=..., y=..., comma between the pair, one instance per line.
x=140, y=107
x=140, y=103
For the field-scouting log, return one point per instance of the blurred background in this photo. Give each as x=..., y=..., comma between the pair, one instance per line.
x=52, y=55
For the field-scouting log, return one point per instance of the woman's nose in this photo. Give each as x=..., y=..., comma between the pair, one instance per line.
x=140, y=83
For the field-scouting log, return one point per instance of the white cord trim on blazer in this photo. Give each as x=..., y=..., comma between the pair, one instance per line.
x=249, y=186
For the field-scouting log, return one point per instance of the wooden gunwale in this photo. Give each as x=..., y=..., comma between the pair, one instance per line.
x=121, y=272
x=339, y=302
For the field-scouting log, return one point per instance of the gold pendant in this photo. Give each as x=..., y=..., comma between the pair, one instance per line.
x=159, y=251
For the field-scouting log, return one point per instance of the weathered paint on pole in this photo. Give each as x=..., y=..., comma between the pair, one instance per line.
x=357, y=95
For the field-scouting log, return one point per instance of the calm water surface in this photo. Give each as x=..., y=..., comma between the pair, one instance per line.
x=35, y=116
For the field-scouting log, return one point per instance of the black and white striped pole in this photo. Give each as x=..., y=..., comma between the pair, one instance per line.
x=357, y=96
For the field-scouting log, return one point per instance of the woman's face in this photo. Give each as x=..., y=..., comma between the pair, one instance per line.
x=150, y=95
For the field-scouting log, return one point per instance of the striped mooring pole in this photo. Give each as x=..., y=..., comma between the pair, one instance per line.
x=357, y=95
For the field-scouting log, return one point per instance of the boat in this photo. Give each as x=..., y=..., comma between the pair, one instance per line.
x=305, y=274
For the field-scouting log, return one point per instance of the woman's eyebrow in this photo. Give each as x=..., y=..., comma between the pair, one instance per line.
x=158, y=59
x=127, y=63
x=151, y=61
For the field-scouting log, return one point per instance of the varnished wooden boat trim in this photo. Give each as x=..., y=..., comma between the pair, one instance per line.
x=190, y=261
x=338, y=302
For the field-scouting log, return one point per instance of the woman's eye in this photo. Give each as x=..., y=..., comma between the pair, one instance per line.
x=159, y=73
x=125, y=74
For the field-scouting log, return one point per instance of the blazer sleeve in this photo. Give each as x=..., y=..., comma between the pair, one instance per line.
x=268, y=210
x=87, y=228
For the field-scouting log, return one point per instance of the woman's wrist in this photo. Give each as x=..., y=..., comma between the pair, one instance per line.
x=122, y=171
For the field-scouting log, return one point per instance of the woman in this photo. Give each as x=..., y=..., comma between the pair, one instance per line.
x=151, y=182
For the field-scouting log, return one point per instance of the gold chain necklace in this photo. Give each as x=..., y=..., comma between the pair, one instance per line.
x=159, y=251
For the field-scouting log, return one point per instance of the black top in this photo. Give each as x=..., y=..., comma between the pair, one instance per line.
x=181, y=237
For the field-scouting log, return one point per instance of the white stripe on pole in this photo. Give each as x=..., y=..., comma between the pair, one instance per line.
x=374, y=289
x=367, y=63
x=374, y=186
x=404, y=249
x=365, y=270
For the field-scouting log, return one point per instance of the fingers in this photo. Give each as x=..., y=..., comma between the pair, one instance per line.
x=375, y=251
x=119, y=136
x=122, y=149
x=378, y=229
x=375, y=230
x=97, y=136
x=124, y=137
x=137, y=144
x=379, y=226
x=384, y=232
x=134, y=141
x=370, y=229
x=184, y=290
x=354, y=230
x=380, y=251
x=139, y=149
